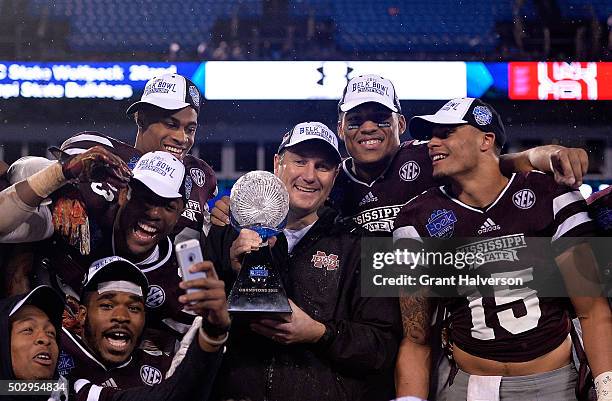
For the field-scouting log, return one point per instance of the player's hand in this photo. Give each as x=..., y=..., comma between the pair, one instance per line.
x=569, y=166
x=210, y=300
x=247, y=241
x=219, y=215
x=300, y=328
x=97, y=165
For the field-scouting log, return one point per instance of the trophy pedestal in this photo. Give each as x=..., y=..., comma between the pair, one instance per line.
x=258, y=288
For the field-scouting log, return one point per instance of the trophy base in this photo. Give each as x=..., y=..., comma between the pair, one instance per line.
x=243, y=303
x=258, y=288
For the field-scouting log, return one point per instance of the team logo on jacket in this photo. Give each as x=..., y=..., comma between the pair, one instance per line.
x=65, y=363
x=198, y=176
x=322, y=260
x=441, y=223
x=524, y=199
x=409, y=171
x=155, y=297
x=150, y=375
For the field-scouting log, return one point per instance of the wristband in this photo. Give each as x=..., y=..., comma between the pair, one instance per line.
x=603, y=386
x=327, y=337
x=211, y=341
x=47, y=180
x=212, y=330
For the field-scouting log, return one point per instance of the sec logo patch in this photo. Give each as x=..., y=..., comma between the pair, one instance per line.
x=198, y=176
x=524, y=199
x=410, y=171
x=155, y=297
x=150, y=375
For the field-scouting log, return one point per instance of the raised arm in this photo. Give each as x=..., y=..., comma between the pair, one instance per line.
x=569, y=165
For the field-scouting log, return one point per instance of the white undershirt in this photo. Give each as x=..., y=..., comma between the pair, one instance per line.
x=294, y=236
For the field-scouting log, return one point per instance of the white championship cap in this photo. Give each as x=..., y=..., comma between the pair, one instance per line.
x=460, y=111
x=309, y=131
x=162, y=173
x=369, y=88
x=170, y=92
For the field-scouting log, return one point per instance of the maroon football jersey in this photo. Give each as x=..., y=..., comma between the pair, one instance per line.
x=373, y=206
x=505, y=323
x=164, y=311
x=100, y=198
x=76, y=361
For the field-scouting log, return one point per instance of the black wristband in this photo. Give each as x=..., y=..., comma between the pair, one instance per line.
x=213, y=331
x=326, y=338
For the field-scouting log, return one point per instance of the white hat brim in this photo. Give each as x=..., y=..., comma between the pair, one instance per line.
x=420, y=127
x=352, y=104
x=154, y=185
x=166, y=104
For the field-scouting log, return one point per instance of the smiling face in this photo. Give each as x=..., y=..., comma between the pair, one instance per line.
x=113, y=323
x=34, y=349
x=454, y=150
x=160, y=129
x=308, y=170
x=144, y=220
x=371, y=133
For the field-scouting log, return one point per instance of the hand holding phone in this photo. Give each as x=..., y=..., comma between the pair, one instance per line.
x=189, y=253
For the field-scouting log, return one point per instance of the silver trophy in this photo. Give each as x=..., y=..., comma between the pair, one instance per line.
x=259, y=201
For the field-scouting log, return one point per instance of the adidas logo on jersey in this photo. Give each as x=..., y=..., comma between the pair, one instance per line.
x=488, y=226
x=368, y=198
x=110, y=383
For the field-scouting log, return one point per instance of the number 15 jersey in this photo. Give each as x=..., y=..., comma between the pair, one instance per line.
x=504, y=323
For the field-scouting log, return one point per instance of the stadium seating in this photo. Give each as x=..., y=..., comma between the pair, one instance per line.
x=364, y=25
x=145, y=25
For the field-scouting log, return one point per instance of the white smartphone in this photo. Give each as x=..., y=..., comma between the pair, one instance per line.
x=189, y=253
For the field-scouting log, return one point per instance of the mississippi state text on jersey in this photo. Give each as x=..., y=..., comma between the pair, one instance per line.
x=505, y=323
x=374, y=206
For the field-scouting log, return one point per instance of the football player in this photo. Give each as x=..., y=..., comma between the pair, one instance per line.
x=509, y=343
x=139, y=231
x=382, y=173
x=166, y=117
x=112, y=312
